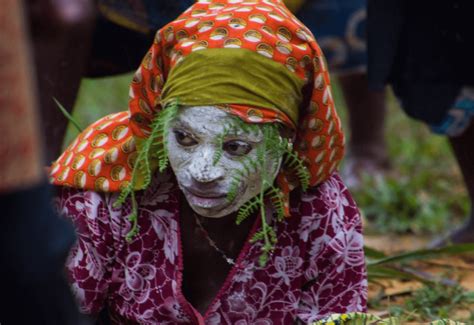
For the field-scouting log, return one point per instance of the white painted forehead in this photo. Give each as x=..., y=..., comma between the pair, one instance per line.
x=202, y=111
x=203, y=119
x=210, y=120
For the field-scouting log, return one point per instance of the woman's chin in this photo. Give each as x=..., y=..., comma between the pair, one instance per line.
x=214, y=213
x=209, y=207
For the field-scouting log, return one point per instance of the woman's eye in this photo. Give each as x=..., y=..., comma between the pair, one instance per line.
x=184, y=138
x=237, y=147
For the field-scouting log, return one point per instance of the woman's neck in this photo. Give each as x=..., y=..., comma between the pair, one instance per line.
x=224, y=231
x=206, y=267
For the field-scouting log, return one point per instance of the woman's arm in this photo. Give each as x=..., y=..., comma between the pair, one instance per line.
x=98, y=226
x=336, y=279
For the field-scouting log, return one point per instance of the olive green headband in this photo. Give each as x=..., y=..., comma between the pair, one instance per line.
x=234, y=76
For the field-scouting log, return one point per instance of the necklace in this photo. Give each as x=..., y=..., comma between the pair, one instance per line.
x=229, y=260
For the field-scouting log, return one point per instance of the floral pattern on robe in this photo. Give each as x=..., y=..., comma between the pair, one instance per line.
x=317, y=267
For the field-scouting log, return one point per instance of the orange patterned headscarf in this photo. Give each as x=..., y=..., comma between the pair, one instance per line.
x=102, y=157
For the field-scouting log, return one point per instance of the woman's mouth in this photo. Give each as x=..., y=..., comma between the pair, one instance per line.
x=208, y=199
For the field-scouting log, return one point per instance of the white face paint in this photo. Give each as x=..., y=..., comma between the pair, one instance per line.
x=192, y=144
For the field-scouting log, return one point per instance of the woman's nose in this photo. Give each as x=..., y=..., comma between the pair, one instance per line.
x=202, y=168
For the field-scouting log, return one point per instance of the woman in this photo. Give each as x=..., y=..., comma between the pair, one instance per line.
x=236, y=98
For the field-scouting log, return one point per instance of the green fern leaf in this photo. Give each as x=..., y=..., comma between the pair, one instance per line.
x=157, y=138
x=292, y=161
x=247, y=209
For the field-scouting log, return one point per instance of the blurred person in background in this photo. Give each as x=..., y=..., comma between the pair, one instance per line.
x=95, y=39
x=340, y=27
x=424, y=49
x=34, y=241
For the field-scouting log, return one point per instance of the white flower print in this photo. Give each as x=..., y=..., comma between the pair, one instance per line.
x=142, y=283
x=91, y=205
x=288, y=264
x=147, y=317
x=166, y=229
x=308, y=224
x=80, y=296
x=214, y=319
x=308, y=310
x=75, y=257
x=240, y=308
x=318, y=245
x=312, y=272
x=172, y=308
x=262, y=321
x=93, y=261
x=359, y=297
x=79, y=206
x=137, y=275
x=245, y=273
x=171, y=241
x=350, y=248
x=292, y=304
x=335, y=200
x=237, y=302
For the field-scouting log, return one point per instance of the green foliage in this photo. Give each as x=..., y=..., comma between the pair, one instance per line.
x=249, y=166
x=67, y=115
x=435, y=301
x=438, y=298
x=250, y=207
x=153, y=147
x=219, y=144
x=98, y=97
x=272, y=148
x=161, y=127
x=276, y=197
x=402, y=266
x=400, y=205
x=268, y=236
x=234, y=186
x=423, y=254
x=295, y=163
x=424, y=193
x=358, y=318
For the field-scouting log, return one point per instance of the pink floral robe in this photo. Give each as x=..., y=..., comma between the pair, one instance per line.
x=317, y=267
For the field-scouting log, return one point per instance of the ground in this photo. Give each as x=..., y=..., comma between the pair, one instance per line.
x=421, y=199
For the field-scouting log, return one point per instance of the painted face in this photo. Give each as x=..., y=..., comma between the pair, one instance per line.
x=194, y=138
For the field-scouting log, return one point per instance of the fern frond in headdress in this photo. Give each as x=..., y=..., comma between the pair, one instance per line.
x=249, y=166
x=163, y=126
x=276, y=197
x=273, y=147
x=153, y=147
x=219, y=143
x=295, y=163
x=248, y=209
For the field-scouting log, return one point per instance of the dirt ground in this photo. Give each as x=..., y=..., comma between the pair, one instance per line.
x=456, y=268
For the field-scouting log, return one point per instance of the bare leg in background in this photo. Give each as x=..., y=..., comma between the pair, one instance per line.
x=367, y=149
x=463, y=146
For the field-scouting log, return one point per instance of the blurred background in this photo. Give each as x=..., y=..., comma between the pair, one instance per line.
x=419, y=198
